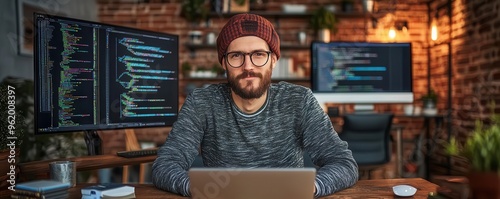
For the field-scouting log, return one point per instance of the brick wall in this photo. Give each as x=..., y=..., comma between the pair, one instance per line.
x=164, y=16
x=474, y=36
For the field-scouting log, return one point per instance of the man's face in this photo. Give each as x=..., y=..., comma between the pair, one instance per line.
x=249, y=81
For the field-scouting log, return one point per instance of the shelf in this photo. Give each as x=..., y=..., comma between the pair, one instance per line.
x=280, y=14
x=84, y=163
x=200, y=46
x=290, y=45
x=284, y=46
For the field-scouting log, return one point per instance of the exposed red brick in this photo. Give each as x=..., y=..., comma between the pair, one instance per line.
x=474, y=31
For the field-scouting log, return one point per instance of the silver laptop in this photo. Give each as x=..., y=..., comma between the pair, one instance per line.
x=255, y=183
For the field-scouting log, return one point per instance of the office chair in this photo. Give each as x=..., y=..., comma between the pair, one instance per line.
x=368, y=137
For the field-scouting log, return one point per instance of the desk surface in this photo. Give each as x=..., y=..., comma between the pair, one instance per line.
x=84, y=163
x=363, y=189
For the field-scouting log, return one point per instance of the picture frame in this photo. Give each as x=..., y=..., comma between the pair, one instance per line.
x=25, y=23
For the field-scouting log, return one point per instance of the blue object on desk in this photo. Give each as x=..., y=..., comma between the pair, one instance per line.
x=43, y=186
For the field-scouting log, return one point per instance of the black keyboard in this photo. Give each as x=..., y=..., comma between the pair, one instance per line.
x=137, y=153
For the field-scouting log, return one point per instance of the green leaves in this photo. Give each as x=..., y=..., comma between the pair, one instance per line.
x=194, y=10
x=453, y=148
x=240, y=2
x=323, y=19
x=432, y=96
x=482, y=148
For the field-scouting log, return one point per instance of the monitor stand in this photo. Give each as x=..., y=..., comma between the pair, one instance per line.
x=364, y=108
x=93, y=142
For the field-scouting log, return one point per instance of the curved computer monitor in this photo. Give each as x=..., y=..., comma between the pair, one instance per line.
x=91, y=76
x=361, y=72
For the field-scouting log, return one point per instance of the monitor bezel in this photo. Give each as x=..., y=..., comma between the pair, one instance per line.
x=367, y=97
x=98, y=127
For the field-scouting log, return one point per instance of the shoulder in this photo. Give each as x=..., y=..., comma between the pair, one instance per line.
x=294, y=95
x=289, y=87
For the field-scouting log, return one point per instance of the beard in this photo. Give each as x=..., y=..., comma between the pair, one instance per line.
x=246, y=90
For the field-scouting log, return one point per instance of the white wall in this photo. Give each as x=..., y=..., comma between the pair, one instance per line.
x=14, y=64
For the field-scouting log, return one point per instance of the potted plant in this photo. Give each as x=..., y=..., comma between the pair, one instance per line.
x=239, y=5
x=323, y=22
x=28, y=146
x=186, y=69
x=429, y=102
x=482, y=150
x=194, y=11
x=218, y=70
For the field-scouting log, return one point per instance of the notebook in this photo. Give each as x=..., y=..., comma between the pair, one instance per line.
x=43, y=186
x=244, y=183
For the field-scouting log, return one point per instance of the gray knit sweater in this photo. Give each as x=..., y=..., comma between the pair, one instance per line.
x=290, y=123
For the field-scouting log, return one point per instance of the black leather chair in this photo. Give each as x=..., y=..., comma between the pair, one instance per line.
x=368, y=136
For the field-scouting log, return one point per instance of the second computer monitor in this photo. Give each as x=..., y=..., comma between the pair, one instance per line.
x=94, y=76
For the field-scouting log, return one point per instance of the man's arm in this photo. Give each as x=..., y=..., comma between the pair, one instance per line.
x=169, y=170
x=337, y=168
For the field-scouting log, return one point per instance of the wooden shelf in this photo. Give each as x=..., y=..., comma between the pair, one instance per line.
x=280, y=14
x=84, y=163
x=261, y=13
x=276, y=15
x=283, y=46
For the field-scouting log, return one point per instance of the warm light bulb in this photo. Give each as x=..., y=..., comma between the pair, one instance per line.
x=405, y=29
x=392, y=33
x=434, y=32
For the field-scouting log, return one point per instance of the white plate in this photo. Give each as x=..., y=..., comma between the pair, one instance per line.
x=404, y=190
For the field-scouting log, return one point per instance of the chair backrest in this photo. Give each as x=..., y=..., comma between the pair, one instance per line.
x=368, y=137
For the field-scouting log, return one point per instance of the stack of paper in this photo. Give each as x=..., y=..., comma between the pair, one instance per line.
x=41, y=189
x=108, y=191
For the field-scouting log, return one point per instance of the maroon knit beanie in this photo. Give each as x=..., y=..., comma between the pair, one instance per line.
x=248, y=25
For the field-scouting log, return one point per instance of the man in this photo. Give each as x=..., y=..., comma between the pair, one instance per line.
x=250, y=122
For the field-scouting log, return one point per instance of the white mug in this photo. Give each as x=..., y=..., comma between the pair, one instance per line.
x=408, y=109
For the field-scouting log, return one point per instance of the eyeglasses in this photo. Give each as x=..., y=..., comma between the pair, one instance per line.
x=258, y=58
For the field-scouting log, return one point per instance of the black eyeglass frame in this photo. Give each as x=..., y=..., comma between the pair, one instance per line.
x=245, y=57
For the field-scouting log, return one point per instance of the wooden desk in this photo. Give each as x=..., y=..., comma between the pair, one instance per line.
x=363, y=189
x=382, y=188
x=40, y=169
